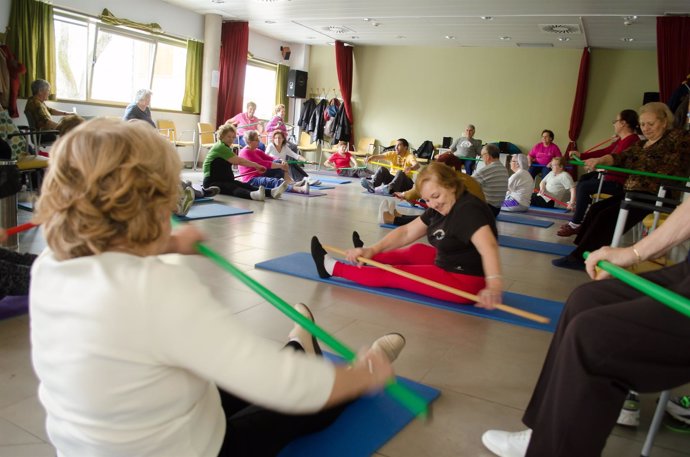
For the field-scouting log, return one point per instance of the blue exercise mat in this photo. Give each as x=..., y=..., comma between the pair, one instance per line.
x=322, y=187
x=209, y=210
x=312, y=193
x=334, y=179
x=534, y=245
x=362, y=428
x=14, y=305
x=522, y=243
x=554, y=213
x=300, y=264
x=515, y=219
x=548, y=210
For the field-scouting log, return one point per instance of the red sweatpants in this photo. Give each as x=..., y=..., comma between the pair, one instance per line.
x=417, y=259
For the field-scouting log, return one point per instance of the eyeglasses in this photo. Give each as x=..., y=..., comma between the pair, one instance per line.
x=617, y=120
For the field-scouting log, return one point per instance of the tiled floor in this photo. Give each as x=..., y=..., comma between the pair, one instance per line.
x=485, y=369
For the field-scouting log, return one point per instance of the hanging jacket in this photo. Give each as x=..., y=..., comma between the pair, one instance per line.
x=316, y=122
x=341, y=131
x=307, y=109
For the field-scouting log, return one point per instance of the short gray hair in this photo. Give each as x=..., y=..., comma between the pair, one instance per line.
x=39, y=85
x=492, y=150
x=141, y=93
x=251, y=135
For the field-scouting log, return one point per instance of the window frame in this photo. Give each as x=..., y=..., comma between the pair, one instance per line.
x=94, y=25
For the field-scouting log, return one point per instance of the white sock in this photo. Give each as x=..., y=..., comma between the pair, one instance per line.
x=329, y=263
x=573, y=225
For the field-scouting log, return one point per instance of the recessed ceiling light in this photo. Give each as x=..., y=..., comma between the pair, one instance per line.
x=627, y=39
x=450, y=37
x=400, y=37
x=217, y=1
x=564, y=38
x=269, y=22
x=311, y=38
x=487, y=18
x=366, y=19
x=504, y=38
x=332, y=43
x=354, y=37
x=375, y=24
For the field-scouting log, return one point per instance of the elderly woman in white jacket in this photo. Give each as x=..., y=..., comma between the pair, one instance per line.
x=520, y=185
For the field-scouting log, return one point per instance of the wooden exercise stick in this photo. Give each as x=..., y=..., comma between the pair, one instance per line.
x=443, y=287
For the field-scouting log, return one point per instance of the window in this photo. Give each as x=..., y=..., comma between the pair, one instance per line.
x=103, y=63
x=260, y=88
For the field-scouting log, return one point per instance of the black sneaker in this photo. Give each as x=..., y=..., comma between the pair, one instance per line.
x=318, y=253
x=356, y=240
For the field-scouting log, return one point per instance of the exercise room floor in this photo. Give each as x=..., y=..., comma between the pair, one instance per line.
x=485, y=369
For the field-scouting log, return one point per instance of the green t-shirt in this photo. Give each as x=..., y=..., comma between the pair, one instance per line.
x=219, y=149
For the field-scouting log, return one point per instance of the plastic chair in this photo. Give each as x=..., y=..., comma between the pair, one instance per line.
x=167, y=128
x=36, y=135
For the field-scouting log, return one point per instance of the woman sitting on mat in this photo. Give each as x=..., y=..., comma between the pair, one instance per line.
x=402, y=161
x=665, y=151
x=218, y=164
x=345, y=164
x=520, y=185
x=274, y=177
x=279, y=150
x=463, y=253
x=107, y=313
x=555, y=187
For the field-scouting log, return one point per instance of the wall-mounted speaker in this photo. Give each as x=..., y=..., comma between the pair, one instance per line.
x=297, y=84
x=649, y=97
x=285, y=51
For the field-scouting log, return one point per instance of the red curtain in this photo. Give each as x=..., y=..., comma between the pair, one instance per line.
x=343, y=64
x=577, y=115
x=234, y=45
x=673, y=53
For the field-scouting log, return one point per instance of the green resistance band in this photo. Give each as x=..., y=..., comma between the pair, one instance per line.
x=410, y=400
x=634, y=172
x=655, y=291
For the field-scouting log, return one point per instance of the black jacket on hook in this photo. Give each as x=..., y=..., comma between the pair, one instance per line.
x=316, y=122
x=341, y=131
x=305, y=115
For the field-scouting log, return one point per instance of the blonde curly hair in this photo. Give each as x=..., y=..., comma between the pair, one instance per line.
x=110, y=186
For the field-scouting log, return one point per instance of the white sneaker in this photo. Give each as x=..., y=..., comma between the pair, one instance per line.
x=259, y=194
x=507, y=444
x=383, y=189
x=383, y=208
x=314, y=182
x=301, y=189
x=390, y=344
x=392, y=204
x=630, y=412
x=185, y=202
x=277, y=192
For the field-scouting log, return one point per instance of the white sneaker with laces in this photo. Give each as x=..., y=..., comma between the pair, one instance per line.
x=507, y=444
x=390, y=344
x=259, y=194
x=383, y=208
x=277, y=192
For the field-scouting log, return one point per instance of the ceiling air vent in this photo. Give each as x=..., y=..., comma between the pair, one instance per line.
x=337, y=29
x=560, y=29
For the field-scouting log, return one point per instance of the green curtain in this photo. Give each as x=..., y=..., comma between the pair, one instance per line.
x=31, y=36
x=281, y=86
x=191, y=102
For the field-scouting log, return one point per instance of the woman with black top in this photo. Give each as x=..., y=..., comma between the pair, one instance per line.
x=463, y=253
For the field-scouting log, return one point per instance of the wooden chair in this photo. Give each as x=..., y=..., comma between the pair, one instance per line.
x=365, y=147
x=207, y=138
x=167, y=129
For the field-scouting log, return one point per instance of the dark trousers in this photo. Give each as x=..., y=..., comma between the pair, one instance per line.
x=610, y=339
x=535, y=169
x=296, y=172
x=252, y=431
x=398, y=183
x=15, y=269
x=223, y=177
x=588, y=185
x=599, y=224
x=539, y=202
